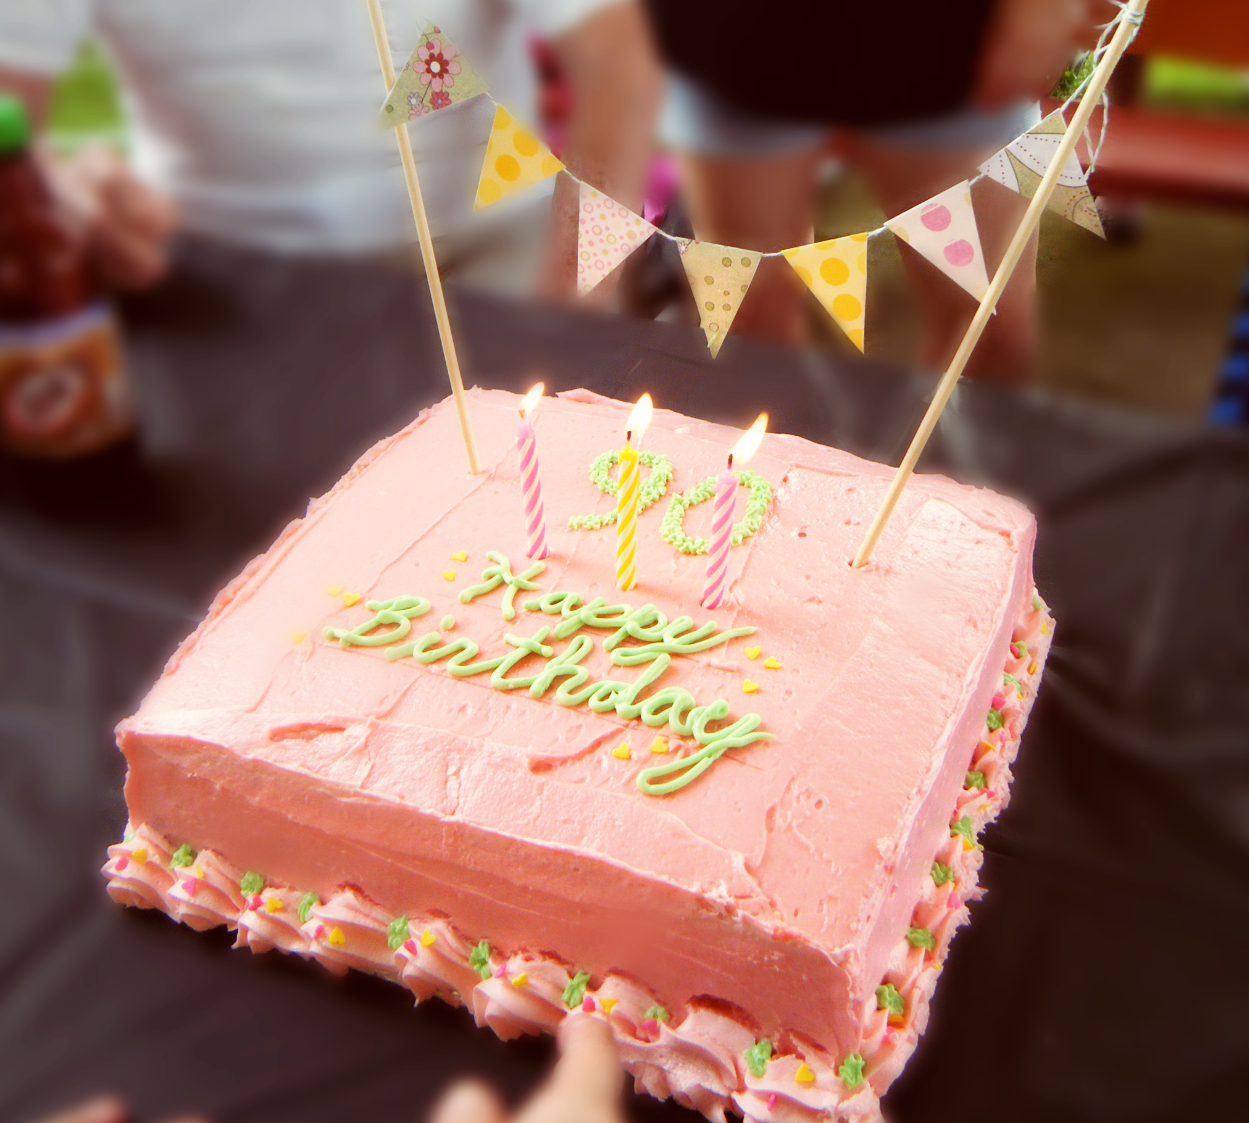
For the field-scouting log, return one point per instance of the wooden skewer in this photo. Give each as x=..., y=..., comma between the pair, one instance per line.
x=426, y=240
x=1032, y=217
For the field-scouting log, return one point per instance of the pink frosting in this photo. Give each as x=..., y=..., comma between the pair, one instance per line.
x=138, y=870
x=206, y=893
x=524, y=996
x=791, y=869
x=271, y=920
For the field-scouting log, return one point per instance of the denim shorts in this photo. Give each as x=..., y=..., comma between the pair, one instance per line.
x=694, y=119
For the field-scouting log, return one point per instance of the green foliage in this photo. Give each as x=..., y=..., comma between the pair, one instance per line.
x=1081, y=67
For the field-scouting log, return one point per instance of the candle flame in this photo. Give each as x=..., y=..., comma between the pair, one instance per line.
x=531, y=399
x=639, y=418
x=751, y=439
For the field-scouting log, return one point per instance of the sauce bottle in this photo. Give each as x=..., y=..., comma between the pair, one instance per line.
x=63, y=387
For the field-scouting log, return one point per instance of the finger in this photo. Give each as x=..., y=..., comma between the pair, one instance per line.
x=143, y=209
x=469, y=1101
x=98, y=1109
x=589, y=1064
x=126, y=257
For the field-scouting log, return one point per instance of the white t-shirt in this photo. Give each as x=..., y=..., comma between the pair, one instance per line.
x=260, y=116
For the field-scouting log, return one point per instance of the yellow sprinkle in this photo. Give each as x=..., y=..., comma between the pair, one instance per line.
x=273, y=904
x=140, y=855
x=968, y=844
x=335, y=590
x=752, y=652
x=804, y=1075
x=621, y=752
x=1032, y=667
x=772, y=663
x=298, y=637
x=427, y=939
x=520, y=980
x=1045, y=629
x=351, y=598
x=987, y=746
x=897, y=1020
x=749, y=687
x=198, y=870
x=659, y=745
x=337, y=939
x=448, y=574
x=606, y=1004
x=1021, y=694
x=460, y=556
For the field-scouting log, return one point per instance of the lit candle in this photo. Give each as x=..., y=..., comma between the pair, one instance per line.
x=627, y=497
x=716, y=587
x=530, y=483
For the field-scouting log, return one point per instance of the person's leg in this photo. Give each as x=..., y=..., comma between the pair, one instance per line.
x=901, y=177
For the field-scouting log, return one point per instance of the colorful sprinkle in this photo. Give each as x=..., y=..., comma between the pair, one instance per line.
x=139, y=854
x=1020, y=650
x=396, y=933
x=479, y=959
x=757, y=1057
x=574, y=992
x=298, y=637
x=335, y=590
x=974, y=780
x=188, y=886
x=749, y=687
x=608, y=1004
x=121, y=863
x=427, y=938
x=1045, y=628
x=621, y=751
x=656, y=1014
x=350, y=599
x=752, y=652
x=659, y=745
x=500, y=972
x=460, y=556
x=521, y=980
x=1032, y=667
x=771, y=1100
x=888, y=998
x=772, y=663
x=920, y=938
x=337, y=939
x=251, y=883
x=967, y=829
x=181, y=857
x=941, y=873
x=994, y=720
x=448, y=574
x=804, y=1075
x=851, y=1070
x=306, y=904
x=587, y=1005
x=273, y=904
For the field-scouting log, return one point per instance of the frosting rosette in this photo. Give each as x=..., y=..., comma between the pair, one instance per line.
x=138, y=869
x=205, y=891
x=526, y=995
x=271, y=920
x=792, y=1088
x=434, y=961
x=349, y=930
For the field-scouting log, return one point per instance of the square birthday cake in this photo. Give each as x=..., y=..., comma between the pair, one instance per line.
x=743, y=837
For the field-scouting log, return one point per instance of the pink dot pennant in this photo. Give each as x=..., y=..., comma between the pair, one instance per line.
x=607, y=233
x=943, y=230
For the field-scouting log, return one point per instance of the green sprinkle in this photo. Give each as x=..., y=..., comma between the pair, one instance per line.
x=757, y=1057
x=920, y=938
x=479, y=960
x=183, y=856
x=966, y=828
x=574, y=992
x=251, y=883
x=448, y=622
x=655, y=1013
x=994, y=720
x=306, y=904
x=1009, y=680
x=127, y=834
x=1019, y=649
x=851, y=1071
x=397, y=932
x=974, y=780
x=941, y=873
x=1037, y=603
x=888, y=998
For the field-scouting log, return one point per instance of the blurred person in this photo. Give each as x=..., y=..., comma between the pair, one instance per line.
x=255, y=124
x=919, y=94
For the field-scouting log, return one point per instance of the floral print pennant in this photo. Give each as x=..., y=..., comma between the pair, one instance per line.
x=434, y=77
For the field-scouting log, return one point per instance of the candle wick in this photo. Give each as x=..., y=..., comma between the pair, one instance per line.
x=730, y=461
x=628, y=436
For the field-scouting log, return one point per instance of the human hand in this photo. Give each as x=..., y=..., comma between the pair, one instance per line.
x=583, y=1088
x=103, y=1109
x=125, y=223
x=1028, y=45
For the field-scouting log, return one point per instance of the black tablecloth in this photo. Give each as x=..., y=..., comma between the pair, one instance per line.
x=1105, y=975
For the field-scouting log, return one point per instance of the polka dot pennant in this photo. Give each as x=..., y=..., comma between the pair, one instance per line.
x=607, y=233
x=836, y=272
x=515, y=158
x=434, y=77
x=1022, y=163
x=719, y=276
x=943, y=229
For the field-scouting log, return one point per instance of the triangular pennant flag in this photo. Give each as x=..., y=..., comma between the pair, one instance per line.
x=515, y=158
x=1022, y=163
x=836, y=271
x=434, y=77
x=943, y=229
x=607, y=232
x=719, y=276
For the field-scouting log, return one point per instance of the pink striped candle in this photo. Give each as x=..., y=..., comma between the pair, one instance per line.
x=717, y=583
x=530, y=482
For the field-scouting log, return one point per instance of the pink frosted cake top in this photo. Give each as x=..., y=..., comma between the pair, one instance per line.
x=522, y=817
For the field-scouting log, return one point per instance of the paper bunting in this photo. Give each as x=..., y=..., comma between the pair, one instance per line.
x=836, y=272
x=434, y=77
x=719, y=276
x=1022, y=163
x=515, y=158
x=607, y=233
x=943, y=229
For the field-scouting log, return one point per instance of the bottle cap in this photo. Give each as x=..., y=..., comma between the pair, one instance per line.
x=14, y=125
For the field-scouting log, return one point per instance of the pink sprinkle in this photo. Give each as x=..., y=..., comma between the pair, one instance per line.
x=255, y=903
x=960, y=252
x=122, y=863
x=888, y=1038
x=587, y=1004
x=955, y=901
x=998, y=701
x=319, y=932
x=409, y=946
x=500, y=972
x=935, y=216
x=650, y=1025
x=189, y=885
x=771, y=1100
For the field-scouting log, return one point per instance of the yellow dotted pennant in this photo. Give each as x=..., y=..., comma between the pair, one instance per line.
x=719, y=277
x=515, y=158
x=836, y=272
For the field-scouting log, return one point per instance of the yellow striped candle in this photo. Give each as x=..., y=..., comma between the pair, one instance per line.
x=628, y=483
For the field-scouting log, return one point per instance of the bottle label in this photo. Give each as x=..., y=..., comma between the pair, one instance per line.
x=63, y=387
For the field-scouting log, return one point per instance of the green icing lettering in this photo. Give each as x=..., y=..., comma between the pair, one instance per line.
x=680, y=637
x=685, y=770
x=920, y=938
x=479, y=958
x=181, y=857
x=994, y=720
x=966, y=828
x=395, y=615
x=851, y=1070
x=757, y=1057
x=574, y=992
x=888, y=998
x=673, y=526
x=307, y=903
x=650, y=490
x=525, y=647
x=974, y=780
x=501, y=574
x=565, y=665
x=397, y=932
x=941, y=873
x=655, y=1014
x=251, y=883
